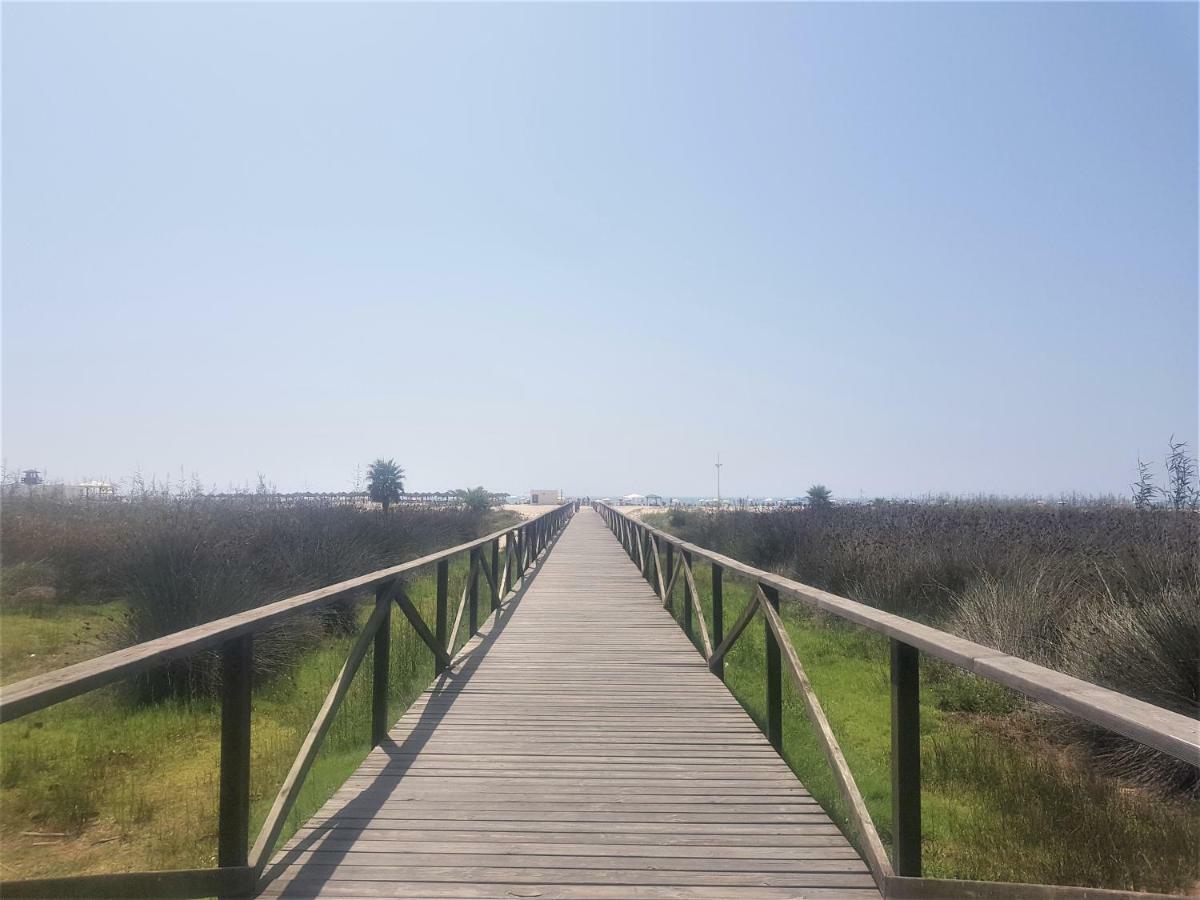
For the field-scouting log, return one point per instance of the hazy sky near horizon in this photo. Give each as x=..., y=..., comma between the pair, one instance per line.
x=892, y=248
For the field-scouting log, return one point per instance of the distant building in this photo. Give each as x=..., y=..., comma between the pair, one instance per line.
x=545, y=498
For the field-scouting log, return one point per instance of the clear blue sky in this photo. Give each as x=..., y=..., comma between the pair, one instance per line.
x=893, y=248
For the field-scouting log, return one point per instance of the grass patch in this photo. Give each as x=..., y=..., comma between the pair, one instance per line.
x=101, y=783
x=41, y=638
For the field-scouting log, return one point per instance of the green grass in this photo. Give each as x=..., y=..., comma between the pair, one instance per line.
x=39, y=638
x=999, y=802
x=100, y=784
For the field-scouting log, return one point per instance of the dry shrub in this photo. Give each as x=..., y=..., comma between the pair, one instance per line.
x=1149, y=648
x=1109, y=594
x=183, y=562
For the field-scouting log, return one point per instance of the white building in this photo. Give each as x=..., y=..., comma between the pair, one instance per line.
x=546, y=497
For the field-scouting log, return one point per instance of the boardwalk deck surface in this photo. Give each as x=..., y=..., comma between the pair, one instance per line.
x=581, y=750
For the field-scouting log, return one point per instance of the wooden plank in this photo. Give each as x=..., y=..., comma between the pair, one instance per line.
x=578, y=744
x=368, y=890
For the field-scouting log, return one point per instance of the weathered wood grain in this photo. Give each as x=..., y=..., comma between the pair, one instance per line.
x=578, y=747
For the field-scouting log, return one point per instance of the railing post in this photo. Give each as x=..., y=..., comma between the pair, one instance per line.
x=473, y=590
x=906, y=758
x=496, y=574
x=233, y=823
x=774, y=678
x=442, y=620
x=687, y=603
x=383, y=659
x=718, y=615
x=511, y=563
x=667, y=576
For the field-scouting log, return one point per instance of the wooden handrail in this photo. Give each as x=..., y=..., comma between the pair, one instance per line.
x=40, y=691
x=234, y=634
x=1174, y=734
x=1161, y=729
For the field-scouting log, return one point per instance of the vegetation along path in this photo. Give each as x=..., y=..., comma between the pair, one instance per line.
x=579, y=747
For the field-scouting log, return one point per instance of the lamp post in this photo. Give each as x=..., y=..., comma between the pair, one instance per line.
x=718, y=467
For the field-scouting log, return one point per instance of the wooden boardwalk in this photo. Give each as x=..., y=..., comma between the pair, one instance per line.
x=580, y=750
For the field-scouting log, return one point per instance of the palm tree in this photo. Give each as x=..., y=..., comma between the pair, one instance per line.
x=820, y=497
x=385, y=482
x=476, y=499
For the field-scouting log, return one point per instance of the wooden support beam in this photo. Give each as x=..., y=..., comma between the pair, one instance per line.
x=685, y=560
x=440, y=656
x=233, y=828
x=290, y=789
x=509, y=559
x=658, y=566
x=495, y=579
x=231, y=881
x=443, y=612
x=906, y=758
x=774, y=676
x=473, y=593
x=382, y=663
x=856, y=807
x=696, y=607
x=718, y=613
x=739, y=626
x=674, y=570
x=462, y=605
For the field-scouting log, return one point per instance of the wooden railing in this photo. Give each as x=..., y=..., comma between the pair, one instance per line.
x=669, y=557
x=240, y=865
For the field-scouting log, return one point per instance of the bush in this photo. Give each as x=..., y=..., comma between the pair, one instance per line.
x=1109, y=594
x=180, y=563
x=1147, y=648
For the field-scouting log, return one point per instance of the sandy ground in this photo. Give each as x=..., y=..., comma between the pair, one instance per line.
x=639, y=512
x=528, y=510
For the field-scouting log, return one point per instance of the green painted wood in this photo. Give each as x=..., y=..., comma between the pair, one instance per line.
x=774, y=676
x=906, y=758
x=442, y=621
x=233, y=817
x=496, y=591
x=687, y=603
x=718, y=617
x=473, y=593
x=382, y=664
